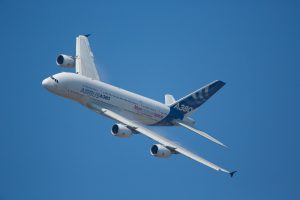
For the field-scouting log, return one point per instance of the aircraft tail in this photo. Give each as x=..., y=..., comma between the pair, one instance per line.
x=191, y=102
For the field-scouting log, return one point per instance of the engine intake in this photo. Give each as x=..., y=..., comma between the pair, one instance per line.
x=160, y=151
x=120, y=130
x=65, y=61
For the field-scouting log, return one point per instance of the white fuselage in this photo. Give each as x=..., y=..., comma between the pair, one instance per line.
x=96, y=95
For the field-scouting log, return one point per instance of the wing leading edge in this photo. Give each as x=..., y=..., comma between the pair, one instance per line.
x=164, y=141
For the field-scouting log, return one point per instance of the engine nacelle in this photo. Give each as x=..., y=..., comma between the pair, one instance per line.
x=120, y=130
x=160, y=151
x=65, y=61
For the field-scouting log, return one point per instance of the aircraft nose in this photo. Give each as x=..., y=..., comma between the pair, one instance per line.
x=45, y=83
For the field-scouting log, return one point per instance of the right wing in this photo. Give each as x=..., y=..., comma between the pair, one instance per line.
x=164, y=141
x=85, y=64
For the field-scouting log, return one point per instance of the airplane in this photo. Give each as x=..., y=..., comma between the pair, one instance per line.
x=132, y=112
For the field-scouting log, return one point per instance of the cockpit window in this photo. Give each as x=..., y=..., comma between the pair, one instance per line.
x=56, y=81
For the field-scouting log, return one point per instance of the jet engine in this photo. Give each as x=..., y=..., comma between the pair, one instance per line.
x=120, y=130
x=160, y=151
x=65, y=61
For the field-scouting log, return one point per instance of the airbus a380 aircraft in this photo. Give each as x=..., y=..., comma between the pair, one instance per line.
x=132, y=112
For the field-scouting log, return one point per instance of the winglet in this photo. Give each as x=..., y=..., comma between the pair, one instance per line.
x=232, y=173
x=87, y=35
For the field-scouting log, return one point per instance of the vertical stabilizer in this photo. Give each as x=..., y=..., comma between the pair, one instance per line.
x=191, y=102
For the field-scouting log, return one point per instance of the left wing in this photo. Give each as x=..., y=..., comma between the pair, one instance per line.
x=85, y=64
x=164, y=141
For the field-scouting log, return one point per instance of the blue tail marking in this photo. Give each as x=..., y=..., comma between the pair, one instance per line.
x=197, y=98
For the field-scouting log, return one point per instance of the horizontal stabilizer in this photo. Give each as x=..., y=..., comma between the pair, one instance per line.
x=201, y=133
x=169, y=99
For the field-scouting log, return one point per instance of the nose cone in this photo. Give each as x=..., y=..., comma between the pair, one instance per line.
x=46, y=83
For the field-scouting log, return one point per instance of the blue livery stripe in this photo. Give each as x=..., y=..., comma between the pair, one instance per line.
x=190, y=102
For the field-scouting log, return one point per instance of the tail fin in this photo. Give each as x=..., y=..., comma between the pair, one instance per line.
x=192, y=101
x=85, y=64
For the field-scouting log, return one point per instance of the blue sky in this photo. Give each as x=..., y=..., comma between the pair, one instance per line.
x=52, y=148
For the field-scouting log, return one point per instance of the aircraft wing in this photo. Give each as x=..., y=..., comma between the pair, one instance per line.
x=164, y=141
x=85, y=64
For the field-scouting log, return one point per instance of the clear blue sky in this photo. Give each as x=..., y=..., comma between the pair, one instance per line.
x=52, y=148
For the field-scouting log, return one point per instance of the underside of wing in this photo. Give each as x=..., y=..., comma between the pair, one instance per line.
x=85, y=64
x=162, y=140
